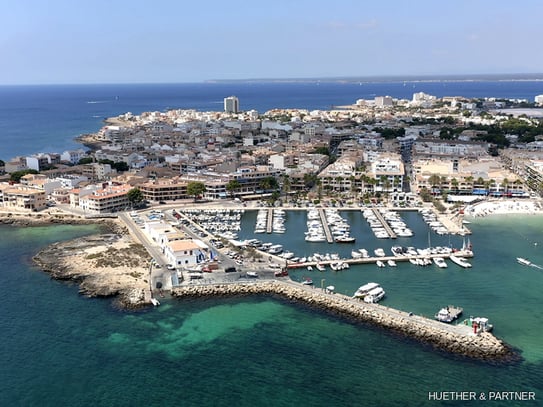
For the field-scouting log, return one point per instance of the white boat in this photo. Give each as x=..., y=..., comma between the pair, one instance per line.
x=379, y=252
x=275, y=249
x=448, y=314
x=524, y=262
x=380, y=263
x=252, y=274
x=320, y=267
x=307, y=281
x=356, y=254
x=309, y=268
x=391, y=263
x=440, y=262
x=364, y=289
x=155, y=302
x=460, y=261
x=374, y=295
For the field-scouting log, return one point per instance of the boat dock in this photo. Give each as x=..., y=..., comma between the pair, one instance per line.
x=369, y=260
x=325, y=226
x=454, y=312
x=385, y=224
x=269, y=221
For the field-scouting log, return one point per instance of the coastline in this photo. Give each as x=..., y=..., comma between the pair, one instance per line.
x=105, y=264
x=505, y=207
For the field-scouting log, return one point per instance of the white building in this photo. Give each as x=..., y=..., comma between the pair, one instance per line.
x=184, y=253
x=231, y=104
x=383, y=101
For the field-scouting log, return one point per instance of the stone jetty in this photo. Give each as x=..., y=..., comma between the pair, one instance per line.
x=456, y=339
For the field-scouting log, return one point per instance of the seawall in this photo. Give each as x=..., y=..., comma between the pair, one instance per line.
x=456, y=339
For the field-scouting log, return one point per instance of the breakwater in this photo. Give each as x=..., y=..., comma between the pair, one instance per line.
x=456, y=339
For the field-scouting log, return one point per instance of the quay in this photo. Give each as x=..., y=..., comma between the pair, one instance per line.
x=368, y=260
x=325, y=226
x=385, y=224
x=269, y=221
x=457, y=339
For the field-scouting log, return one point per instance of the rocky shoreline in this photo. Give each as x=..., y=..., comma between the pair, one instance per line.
x=107, y=264
x=103, y=265
x=448, y=338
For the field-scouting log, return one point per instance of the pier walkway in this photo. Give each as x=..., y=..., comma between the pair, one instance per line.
x=325, y=226
x=458, y=338
x=385, y=224
x=369, y=260
x=269, y=221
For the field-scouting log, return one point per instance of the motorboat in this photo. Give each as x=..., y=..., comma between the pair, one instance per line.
x=374, y=295
x=356, y=254
x=307, y=281
x=379, y=252
x=252, y=274
x=345, y=239
x=460, y=261
x=275, y=249
x=440, y=262
x=320, y=267
x=523, y=261
x=380, y=263
x=365, y=289
x=448, y=314
x=391, y=263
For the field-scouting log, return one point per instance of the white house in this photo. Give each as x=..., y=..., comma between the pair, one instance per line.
x=184, y=253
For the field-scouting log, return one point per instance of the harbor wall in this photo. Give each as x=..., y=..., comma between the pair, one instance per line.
x=450, y=338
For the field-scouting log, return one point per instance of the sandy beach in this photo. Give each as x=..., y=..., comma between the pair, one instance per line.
x=503, y=207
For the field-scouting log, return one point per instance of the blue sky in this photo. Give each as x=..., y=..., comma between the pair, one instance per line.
x=134, y=41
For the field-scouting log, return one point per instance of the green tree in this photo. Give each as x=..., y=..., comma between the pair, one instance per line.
x=232, y=186
x=322, y=150
x=17, y=175
x=85, y=160
x=195, y=189
x=135, y=196
x=268, y=183
x=120, y=166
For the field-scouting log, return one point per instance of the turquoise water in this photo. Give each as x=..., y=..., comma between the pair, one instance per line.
x=59, y=348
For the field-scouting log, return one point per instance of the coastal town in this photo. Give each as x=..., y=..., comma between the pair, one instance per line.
x=172, y=187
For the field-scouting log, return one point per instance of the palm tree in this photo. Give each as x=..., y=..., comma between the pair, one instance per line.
x=505, y=184
x=232, y=186
x=454, y=183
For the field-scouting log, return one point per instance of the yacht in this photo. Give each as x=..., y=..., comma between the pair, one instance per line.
x=460, y=261
x=275, y=249
x=440, y=262
x=320, y=267
x=365, y=289
x=374, y=295
x=448, y=314
x=524, y=262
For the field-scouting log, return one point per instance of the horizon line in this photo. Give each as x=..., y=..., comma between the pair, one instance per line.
x=365, y=78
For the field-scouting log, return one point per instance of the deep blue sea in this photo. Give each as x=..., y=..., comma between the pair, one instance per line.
x=47, y=118
x=61, y=349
